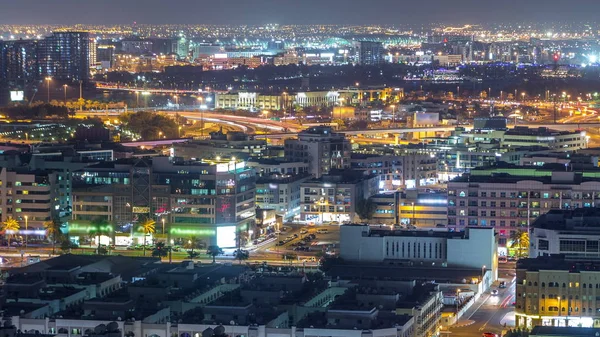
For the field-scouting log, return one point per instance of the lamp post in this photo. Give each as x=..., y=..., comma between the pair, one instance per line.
x=48, y=79
x=200, y=99
x=393, y=113
x=163, y=225
x=558, y=298
x=413, y=213
x=65, y=87
x=26, y=232
x=80, y=96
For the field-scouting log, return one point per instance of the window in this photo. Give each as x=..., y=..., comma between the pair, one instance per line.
x=543, y=244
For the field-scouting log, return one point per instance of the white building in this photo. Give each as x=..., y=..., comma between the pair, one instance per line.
x=574, y=233
x=334, y=198
x=281, y=193
x=473, y=248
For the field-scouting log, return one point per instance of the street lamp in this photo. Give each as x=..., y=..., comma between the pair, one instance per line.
x=176, y=101
x=65, y=87
x=48, y=79
x=393, y=113
x=413, y=213
x=160, y=133
x=482, y=276
x=26, y=231
x=200, y=99
x=457, y=301
x=163, y=225
x=523, y=96
x=558, y=298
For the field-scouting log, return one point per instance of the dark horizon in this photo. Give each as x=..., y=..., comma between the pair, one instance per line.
x=288, y=12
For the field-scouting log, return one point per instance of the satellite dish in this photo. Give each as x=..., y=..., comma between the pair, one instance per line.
x=208, y=333
x=232, y=322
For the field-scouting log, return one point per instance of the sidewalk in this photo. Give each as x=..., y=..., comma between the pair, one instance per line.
x=466, y=317
x=508, y=319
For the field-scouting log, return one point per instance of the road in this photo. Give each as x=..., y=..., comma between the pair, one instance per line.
x=487, y=313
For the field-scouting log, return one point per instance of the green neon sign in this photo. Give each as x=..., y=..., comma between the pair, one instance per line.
x=193, y=231
x=75, y=228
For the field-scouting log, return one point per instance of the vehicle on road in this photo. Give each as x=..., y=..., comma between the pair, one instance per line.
x=322, y=231
x=303, y=231
x=489, y=334
x=502, y=284
x=494, y=292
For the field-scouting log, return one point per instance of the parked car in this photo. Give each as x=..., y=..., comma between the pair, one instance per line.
x=502, y=285
x=494, y=292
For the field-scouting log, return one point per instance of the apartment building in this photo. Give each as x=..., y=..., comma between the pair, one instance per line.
x=211, y=200
x=320, y=147
x=30, y=197
x=509, y=197
x=333, y=198
x=281, y=192
x=412, y=208
x=554, y=291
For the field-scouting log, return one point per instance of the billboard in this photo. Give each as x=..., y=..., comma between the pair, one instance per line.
x=17, y=95
x=425, y=119
x=226, y=237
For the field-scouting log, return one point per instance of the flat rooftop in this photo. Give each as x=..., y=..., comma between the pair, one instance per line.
x=564, y=331
x=557, y=262
x=401, y=272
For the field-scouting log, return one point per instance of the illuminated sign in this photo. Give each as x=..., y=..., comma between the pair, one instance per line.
x=229, y=167
x=75, y=228
x=226, y=237
x=17, y=95
x=28, y=232
x=192, y=231
x=141, y=209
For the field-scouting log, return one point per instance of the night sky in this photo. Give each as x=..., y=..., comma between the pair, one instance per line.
x=293, y=11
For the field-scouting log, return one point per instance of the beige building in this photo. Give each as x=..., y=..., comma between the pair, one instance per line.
x=557, y=292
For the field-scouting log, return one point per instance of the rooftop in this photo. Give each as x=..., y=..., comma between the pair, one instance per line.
x=540, y=132
x=557, y=262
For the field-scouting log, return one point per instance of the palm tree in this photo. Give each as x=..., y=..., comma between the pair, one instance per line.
x=53, y=230
x=160, y=250
x=214, y=251
x=147, y=227
x=10, y=225
x=241, y=254
x=520, y=240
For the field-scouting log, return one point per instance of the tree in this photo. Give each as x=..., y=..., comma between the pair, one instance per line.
x=160, y=250
x=53, y=231
x=192, y=244
x=520, y=241
x=99, y=227
x=241, y=254
x=365, y=208
x=102, y=250
x=214, y=251
x=10, y=225
x=148, y=227
x=66, y=244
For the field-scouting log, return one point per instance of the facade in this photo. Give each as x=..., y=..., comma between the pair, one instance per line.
x=231, y=144
x=281, y=192
x=211, y=201
x=509, y=198
x=68, y=56
x=248, y=101
x=473, y=248
x=553, y=291
x=412, y=209
x=334, y=198
x=20, y=61
x=370, y=53
x=556, y=140
x=30, y=197
x=320, y=147
x=574, y=233
x=268, y=166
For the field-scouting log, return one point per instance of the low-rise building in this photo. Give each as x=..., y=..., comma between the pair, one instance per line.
x=281, y=192
x=574, y=233
x=334, y=197
x=509, y=197
x=474, y=248
x=412, y=208
x=221, y=144
x=554, y=291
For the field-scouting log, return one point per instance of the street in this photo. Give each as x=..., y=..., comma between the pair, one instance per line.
x=488, y=313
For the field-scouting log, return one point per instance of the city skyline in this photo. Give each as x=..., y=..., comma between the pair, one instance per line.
x=288, y=12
